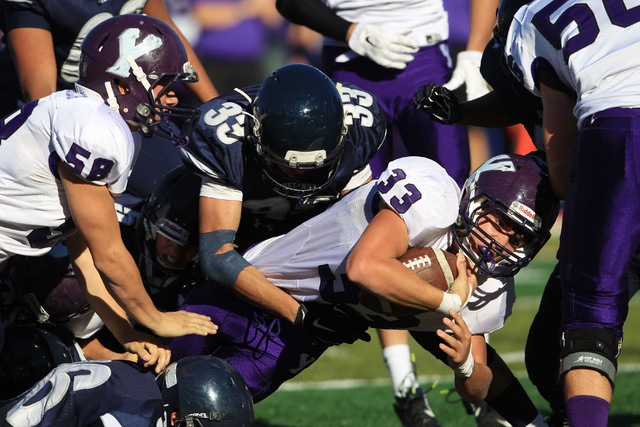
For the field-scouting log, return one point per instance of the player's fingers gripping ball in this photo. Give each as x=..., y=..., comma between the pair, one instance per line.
x=434, y=266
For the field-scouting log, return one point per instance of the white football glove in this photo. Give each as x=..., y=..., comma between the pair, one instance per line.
x=386, y=47
x=467, y=72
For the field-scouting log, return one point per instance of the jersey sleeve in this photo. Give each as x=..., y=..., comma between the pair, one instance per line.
x=490, y=305
x=23, y=14
x=95, y=143
x=217, y=148
x=425, y=197
x=366, y=125
x=530, y=56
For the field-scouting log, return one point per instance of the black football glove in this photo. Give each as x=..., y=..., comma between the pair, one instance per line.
x=329, y=324
x=439, y=103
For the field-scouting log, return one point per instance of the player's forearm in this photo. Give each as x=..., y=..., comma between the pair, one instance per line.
x=488, y=111
x=203, y=89
x=483, y=19
x=122, y=278
x=391, y=280
x=255, y=288
x=316, y=15
x=474, y=388
x=110, y=312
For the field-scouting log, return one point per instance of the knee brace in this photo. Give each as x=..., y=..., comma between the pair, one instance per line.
x=223, y=268
x=590, y=348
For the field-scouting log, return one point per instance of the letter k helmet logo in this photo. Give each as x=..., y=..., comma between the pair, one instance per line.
x=129, y=49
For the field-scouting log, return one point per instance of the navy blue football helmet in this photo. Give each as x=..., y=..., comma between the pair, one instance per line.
x=28, y=355
x=297, y=130
x=518, y=188
x=205, y=391
x=172, y=211
x=140, y=52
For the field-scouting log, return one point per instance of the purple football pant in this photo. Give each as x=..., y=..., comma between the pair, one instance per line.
x=264, y=349
x=410, y=132
x=601, y=222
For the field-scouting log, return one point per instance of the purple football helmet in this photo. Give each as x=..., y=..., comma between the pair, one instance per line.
x=139, y=52
x=517, y=187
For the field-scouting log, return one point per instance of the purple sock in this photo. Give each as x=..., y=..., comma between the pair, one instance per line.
x=588, y=411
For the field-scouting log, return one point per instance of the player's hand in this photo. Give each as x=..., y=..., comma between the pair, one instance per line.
x=386, y=47
x=439, y=103
x=458, y=345
x=148, y=349
x=329, y=324
x=466, y=283
x=467, y=72
x=179, y=323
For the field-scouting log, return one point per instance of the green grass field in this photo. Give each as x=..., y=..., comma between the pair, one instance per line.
x=349, y=384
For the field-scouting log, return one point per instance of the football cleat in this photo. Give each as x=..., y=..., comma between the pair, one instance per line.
x=413, y=409
x=485, y=415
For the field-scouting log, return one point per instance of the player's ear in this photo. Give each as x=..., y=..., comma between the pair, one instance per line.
x=123, y=87
x=174, y=417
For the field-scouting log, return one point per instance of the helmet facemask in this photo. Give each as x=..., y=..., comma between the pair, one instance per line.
x=152, y=118
x=496, y=259
x=309, y=172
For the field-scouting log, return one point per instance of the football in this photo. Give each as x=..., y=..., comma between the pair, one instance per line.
x=434, y=266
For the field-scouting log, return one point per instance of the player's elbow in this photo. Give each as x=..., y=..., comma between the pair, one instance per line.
x=358, y=268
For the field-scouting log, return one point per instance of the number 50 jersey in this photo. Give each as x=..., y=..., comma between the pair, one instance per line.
x=587, y=48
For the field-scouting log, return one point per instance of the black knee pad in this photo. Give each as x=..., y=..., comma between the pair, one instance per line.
x=590, y=348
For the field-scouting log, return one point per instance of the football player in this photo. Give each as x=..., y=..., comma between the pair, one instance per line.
x=589, y=118
x=273, y=155
x=76, y=150
x=199, y=390
x=506, y=211
x=160, y=234
x=389, y=48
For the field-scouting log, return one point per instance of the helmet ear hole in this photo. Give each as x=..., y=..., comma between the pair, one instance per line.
x=122, y=86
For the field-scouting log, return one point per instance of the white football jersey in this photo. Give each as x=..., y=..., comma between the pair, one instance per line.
x=309, y=261
x=423, y=17
x=75, y=128
x=592, y=50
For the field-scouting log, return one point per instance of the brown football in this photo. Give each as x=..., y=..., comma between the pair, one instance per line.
x=434, y=266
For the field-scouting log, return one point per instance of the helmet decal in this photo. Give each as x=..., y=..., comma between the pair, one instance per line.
x=130, y=51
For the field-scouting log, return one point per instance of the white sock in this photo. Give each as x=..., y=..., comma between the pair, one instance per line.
x=398, y=361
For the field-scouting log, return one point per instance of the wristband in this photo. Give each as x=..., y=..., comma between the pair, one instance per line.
x=453, y=301
x=466, y=369
x=449, y=301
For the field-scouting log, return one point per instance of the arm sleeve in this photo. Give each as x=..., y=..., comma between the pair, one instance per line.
x=21, y=14
x=315, y=15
